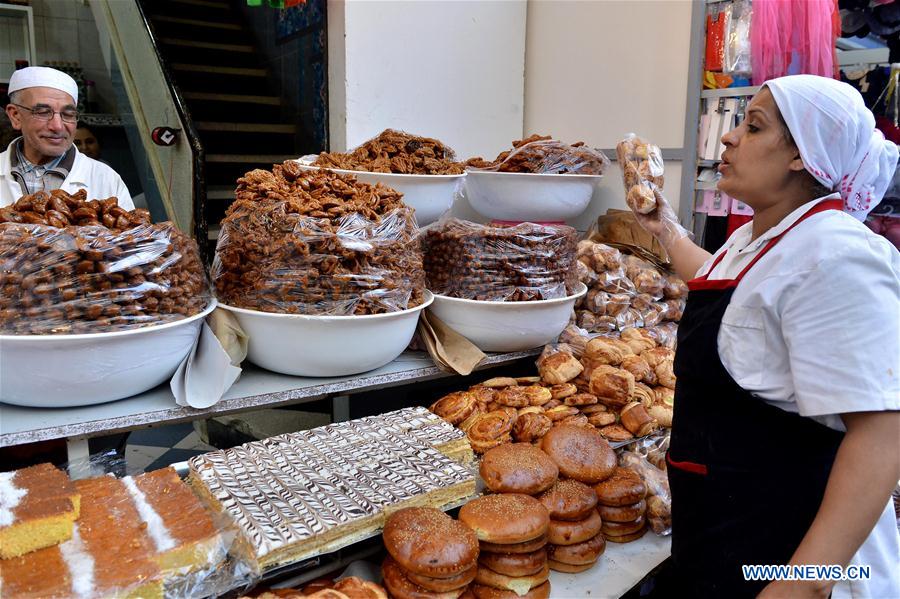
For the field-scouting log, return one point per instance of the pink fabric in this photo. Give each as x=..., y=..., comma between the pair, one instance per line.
x=782, y=29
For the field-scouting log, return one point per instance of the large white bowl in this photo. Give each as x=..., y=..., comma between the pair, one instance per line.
x=430, y=195
x=62, y=371
x=507, y=326
x=532, y=197
x=305, y=345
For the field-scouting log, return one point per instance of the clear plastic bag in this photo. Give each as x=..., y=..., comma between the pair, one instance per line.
x=318, y=243
x=142, y=535
x=647, y=458
x=643, y=172
x=91, y=279
x=737, y=53
x=491, y=263
x=545, y=155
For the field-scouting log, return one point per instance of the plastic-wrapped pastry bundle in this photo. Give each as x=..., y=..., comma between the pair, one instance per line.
x=642, y=172
x=396, y=152
x=545, y=155
x=320, y=243
x=94, y=279
x=481, y=262
x=624, y=290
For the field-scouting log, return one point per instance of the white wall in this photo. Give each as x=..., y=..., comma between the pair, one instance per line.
x=597, y=70
x=447, y=69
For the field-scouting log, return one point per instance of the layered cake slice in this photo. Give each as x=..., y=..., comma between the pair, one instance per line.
x=303, y=494
x=38, y=506
x=109, y=553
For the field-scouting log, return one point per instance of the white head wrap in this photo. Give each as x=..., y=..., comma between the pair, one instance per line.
x=837, y=139
x=43, y=77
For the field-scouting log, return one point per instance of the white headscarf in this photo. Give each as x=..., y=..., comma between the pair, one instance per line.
x=837, y=139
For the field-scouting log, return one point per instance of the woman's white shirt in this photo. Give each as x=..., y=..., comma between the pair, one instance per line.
x=814, y=328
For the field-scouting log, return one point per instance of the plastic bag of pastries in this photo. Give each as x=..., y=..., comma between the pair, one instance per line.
x=646, y=277
x=642, y=458
x=317, y=242
x=642, y=172
x=494, y=263
x=105, y=269
x=545, y=155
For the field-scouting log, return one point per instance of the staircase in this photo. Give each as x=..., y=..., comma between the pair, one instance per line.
x=220, y=74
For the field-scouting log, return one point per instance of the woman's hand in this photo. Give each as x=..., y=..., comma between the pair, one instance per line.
x=662, y=223
x=795, y=589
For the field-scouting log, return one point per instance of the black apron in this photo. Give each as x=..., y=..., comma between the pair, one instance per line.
x=747, y=478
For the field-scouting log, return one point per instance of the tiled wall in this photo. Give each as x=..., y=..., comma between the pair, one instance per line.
x=64, y=30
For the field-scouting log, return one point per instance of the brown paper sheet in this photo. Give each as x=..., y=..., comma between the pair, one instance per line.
x=449, y=350
x=619, y=227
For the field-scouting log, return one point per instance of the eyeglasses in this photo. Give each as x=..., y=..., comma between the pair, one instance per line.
x=45, y=113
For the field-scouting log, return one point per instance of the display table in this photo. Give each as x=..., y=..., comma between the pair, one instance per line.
x=256, y=389
x=622, y=566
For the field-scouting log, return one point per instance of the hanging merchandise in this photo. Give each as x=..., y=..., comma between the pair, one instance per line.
x=737, y=54
x=716, y=27
x=792, y=37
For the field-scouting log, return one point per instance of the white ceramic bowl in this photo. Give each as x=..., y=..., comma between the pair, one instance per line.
x=430, y=195
x=305, y=345
x=62, y=371
x=532, y=197
x=507, y=326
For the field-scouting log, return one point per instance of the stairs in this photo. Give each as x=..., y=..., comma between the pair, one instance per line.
x=222, y=77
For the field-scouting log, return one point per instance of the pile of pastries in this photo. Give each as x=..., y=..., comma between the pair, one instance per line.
x=72, y=265
x=624, y=290
x=544, y=155
x=396, y=152
x=318, y=242
x=624, y=387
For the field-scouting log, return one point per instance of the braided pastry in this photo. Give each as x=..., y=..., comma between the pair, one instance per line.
x=491, y=429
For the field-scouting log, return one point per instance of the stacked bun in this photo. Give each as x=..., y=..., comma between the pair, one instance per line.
x=512, y=529
x=622, y=506
x=430, y=555
x=576, y=541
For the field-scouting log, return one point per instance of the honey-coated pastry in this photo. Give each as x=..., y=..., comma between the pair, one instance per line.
x=586, y=552
x=491, y=429
x=482, y=394
x=638, y=367
x=514, y=564
x=481, y=591
x=518, y=468
x=657, y=355
x=455, y=407
x=528, y=410
x=624, y=513
x=563, y=390
x=576, y=420
x=567, y=532
x=616, y=433
x=601, y=419
x=500, y=381
x=553, y=403
x=636, y=419
x=559, y=367
x=569, y=500
x=580, y=452
x=665, y=373
x=602, y=350
x=357, y=588
x=518, y=584
x=537, y=395
x=443, y=585
x=593, y=409
x=663, y=406
x=614, y=386
x=560, y=413
x=624, y=487
x=428, y=542
x=531, y=427
x=581, y=400
x=506, y=519
x=401, y=587
x=644, y=394
x=639, y=340
x=514, y=397
x=528, y=380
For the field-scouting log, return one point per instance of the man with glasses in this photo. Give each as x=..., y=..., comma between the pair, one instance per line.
x=43, y=107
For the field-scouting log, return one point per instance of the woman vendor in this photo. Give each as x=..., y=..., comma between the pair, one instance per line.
x=786, y=435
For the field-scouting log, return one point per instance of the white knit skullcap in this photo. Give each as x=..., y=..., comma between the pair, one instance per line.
x=43, y=77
